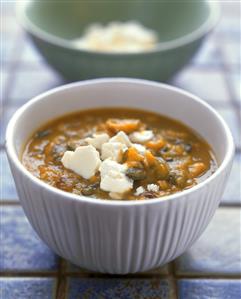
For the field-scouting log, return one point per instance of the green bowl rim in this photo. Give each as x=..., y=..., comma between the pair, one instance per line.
x=201, y=31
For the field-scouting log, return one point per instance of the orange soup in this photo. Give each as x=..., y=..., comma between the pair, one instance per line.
x=118, y=153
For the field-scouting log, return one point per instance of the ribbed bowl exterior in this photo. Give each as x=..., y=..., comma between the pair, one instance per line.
x=119, y=239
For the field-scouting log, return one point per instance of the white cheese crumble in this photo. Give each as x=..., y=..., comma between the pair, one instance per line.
x=142, y=136
x=117, y=37
x=97, y=140
x=139, y=191
x=122, y=138
x=113, y=178
x=153, y=187
x=115, y=195
x=112, y=150
x=140, y=148
x=85, y=161
x=115, y=147
x=108, y=165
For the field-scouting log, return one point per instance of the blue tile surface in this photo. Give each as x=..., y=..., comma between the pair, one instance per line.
x=7, y=49
x=231, y=51
x=31, y=54
x=8, y=8
x=4, y=76
x=8, y=190
x=235, y=78
x=209, y=54
x=232, y=193
x=42, y=79
x=214, y=75
x=21, y=249
x=27, y=288
x=6, y=115
x=118, y=288
x=231, y=119
x=230, y=25
x=218, y=251
x=209, y=289
x=199, y=81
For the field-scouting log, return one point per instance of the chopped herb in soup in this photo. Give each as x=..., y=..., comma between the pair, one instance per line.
x=117, y=153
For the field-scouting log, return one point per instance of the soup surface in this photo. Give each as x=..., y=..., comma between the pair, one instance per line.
x=118, y=153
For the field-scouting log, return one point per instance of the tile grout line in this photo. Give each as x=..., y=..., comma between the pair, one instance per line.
x=27, y=274
x=9, y=202
x=16, y=274
x=173, y=278
x=230, y=205
x=209, y=276
x=235, y=103
x=61, y=287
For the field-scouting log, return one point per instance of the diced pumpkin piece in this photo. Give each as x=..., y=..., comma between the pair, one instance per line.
x=150, y=160
x=94, y=179
x=48, y=148
x=126, y=125
x=161, y=169
x=133, y=155
x=136, y=164
x=155, y=145
x=196, y=169
x=163, y=184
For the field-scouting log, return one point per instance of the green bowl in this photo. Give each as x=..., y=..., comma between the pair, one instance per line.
x=181, y=26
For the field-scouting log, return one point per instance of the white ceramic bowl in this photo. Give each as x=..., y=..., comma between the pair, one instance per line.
x=119, y=236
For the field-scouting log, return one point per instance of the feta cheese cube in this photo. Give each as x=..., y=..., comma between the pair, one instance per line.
x=122, y=138
x=97, y=140
x=115, y=195
x=113, y=178
x=139, y=191
x=153, y=187
x=110, y=165
x=85, y=161
x=142, y=136
x=116, y=183
x=116, y=145
x=112, y=150
x=140, y=148
x=128, y=36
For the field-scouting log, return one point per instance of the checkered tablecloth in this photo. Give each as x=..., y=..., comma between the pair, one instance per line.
x=210, y=269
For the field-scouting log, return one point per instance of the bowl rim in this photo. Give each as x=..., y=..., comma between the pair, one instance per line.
x=202, y=30
x=12, y=155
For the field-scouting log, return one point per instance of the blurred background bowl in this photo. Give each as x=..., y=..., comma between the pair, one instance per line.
x=181, y=27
